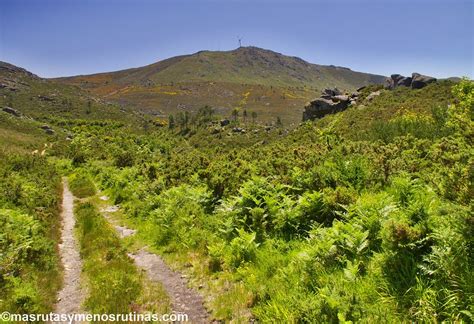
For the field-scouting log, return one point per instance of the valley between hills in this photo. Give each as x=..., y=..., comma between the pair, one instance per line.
x=238, y=186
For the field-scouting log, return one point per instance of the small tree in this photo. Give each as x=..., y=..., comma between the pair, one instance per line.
x=204, y=115
x=254, y=116
x=89, y=107
x=235, y=113
x=278, y=122
x=186, y=119
x=171, y=123
x=180, y=120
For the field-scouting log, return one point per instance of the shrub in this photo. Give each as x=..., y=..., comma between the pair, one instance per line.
x=124, y=159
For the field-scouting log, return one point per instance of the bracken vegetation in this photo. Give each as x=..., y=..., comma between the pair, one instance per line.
x=364, y=216
x=323, y=223
x=29, y=209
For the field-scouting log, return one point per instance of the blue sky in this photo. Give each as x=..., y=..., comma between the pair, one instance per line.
x=68, y=37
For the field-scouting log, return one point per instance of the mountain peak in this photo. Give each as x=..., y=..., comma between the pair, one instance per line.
x=248, y=77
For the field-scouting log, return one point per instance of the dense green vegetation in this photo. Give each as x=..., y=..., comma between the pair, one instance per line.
x=323, y=223
x=29, y=209
x=364, y=215
x=81, y=186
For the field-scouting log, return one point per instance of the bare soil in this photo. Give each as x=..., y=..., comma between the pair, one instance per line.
x=183, y=299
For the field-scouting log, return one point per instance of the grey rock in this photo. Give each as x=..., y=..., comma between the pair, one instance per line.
x=372, y=95
x=12, y=111
x=416, y=81
x=225, y=122
x=404, y=82
x=397, y=80
x=331, y=101
x=330, y=92
x=419, y=81
x=391, y=83
x=340, y=98
x=327, y=93
x=321, y=107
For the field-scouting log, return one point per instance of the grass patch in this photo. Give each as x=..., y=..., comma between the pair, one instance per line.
x=81, y=186
x=115, y=284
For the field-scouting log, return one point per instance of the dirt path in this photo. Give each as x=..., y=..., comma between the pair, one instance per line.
x=71, y=296
x=183, y=299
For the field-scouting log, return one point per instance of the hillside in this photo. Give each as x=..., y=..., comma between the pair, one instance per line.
x=35, y=102
x=250, y=78
x=36, y=97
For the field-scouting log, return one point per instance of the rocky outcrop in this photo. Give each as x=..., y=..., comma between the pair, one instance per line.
x=416, y=81
x=12, y=111
x=329, y=93
x=419, y=81
x=331, y=101
x=7, y=68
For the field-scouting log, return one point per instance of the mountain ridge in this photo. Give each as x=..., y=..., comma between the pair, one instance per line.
x=247, y=78
x=243, y=57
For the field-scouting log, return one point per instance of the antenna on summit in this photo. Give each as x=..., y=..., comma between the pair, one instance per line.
x=240, y=41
